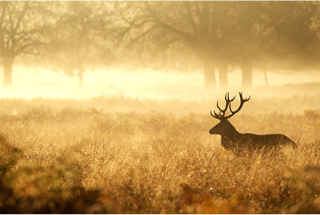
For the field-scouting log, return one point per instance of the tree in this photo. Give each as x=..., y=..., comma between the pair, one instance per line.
x=272, y=34
x=217, y=34
x=21, y=27
x=77, y=41
x=190, y=33
x=294, y=35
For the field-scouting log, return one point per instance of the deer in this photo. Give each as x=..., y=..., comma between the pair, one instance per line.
x=237, y=142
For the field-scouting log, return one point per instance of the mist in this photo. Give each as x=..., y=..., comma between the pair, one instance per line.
x=32, y=83
x=159, y=50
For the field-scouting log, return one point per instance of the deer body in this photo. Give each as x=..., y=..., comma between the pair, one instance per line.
x=232, y=140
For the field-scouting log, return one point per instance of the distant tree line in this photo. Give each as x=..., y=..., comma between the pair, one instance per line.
x=73, y=37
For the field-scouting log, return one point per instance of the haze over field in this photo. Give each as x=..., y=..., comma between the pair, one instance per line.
x=171, y=50
x=31, y=83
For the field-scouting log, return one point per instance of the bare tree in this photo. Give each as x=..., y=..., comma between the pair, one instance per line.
x=77, y=41
x=262, y=35
x=21, y=26
x=274, y=36
x=182, y=34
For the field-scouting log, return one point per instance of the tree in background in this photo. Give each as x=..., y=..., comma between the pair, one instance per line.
x=267, y=36
x=295, y=35
x=246, y=35
x=22, y=24
x=76, y=41
x=274, y=36
x=183, y=34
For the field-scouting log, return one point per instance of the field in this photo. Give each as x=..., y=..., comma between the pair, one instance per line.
x=124, y=155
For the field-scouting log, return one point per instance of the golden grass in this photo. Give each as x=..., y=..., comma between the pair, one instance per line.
x=69, y=157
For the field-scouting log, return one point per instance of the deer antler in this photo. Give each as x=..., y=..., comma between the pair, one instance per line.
x=228, y=101
x=222, y=113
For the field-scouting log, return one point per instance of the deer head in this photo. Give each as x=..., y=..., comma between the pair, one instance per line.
x=224, y=127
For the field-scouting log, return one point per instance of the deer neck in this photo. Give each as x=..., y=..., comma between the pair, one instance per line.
x=231, y=136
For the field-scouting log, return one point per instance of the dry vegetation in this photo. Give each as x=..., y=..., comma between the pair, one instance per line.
x=70, y=156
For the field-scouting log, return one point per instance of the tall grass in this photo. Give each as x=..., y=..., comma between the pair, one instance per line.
x=71, y=156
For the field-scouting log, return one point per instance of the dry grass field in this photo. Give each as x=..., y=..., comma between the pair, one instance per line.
x=122, y=155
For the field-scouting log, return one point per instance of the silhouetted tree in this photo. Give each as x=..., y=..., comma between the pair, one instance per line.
x=22, y=24
x=180, y=33
x=248, y=35
x=272, y=34
x=295, y=34
x=77, y=40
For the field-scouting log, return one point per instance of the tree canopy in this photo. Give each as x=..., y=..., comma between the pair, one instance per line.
x=187, y=35
x=21, y=31
x=218, y=34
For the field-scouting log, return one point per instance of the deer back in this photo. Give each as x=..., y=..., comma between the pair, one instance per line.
x=258, y=142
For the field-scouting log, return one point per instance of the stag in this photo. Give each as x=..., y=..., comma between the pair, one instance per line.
x=232, y=140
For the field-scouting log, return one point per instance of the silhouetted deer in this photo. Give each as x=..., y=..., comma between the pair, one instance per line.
x=232, y=140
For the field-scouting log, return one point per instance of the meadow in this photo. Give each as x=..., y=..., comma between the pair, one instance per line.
x=122, y=155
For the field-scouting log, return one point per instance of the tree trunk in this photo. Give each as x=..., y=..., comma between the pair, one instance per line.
x=223, y=75
x=209, y=74
x=246, y=75
x=7, y=71
x=265, y=78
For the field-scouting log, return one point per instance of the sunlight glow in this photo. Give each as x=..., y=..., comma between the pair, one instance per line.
x=32, y=83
